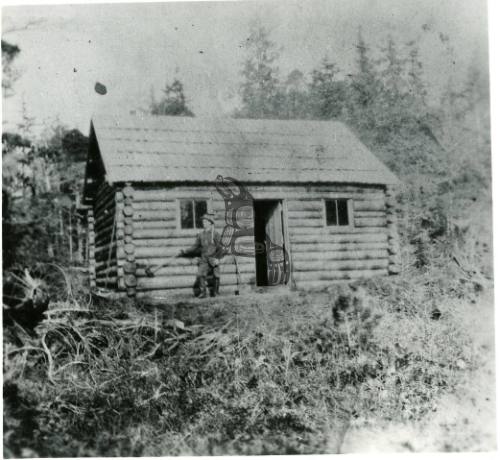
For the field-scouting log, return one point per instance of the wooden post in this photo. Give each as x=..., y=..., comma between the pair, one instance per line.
x=79, y=242
x=393, y=238
x=91, y=249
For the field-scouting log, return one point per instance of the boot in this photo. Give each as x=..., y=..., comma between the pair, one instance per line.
x=203, y=287
x=214, y=288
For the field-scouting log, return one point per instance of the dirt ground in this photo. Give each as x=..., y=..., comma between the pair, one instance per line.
x=463, y=421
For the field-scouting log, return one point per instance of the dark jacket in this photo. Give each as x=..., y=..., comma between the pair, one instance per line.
x=207, y=246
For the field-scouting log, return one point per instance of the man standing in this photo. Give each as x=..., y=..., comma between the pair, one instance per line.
x=209, y=249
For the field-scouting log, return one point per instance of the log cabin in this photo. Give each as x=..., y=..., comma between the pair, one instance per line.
x=325, y=198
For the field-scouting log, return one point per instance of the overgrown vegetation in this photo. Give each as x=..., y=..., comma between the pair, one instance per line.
x=231, y=377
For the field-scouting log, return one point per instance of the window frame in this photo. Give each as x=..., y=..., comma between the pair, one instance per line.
x=193, y=230
x=350, y=215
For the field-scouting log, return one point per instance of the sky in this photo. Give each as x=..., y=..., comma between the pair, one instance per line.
x=134, y=49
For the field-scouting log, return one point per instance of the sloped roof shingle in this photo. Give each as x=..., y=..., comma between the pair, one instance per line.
x=183, y=149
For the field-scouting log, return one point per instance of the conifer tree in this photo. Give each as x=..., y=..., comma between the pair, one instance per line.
x=260, y=90
x=173, y=102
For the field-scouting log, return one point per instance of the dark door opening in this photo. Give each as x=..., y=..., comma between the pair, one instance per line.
x=271, y=261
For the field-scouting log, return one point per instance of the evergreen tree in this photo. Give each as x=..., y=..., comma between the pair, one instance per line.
x=415, y=75
x=327, y=94
x=363, y=89
x=173, y=102
x=295, y=104
x=260, y=90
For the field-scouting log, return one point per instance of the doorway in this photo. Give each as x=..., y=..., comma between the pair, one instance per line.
x=271, y=258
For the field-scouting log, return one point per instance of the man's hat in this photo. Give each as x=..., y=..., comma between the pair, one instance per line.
x=209, y=217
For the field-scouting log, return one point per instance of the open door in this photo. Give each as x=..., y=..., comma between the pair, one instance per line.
x=271, y=258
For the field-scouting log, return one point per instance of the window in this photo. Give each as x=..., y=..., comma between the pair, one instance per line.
x=337, y=212
x=191, y=213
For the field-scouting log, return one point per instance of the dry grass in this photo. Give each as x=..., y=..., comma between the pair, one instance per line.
x=254, y=375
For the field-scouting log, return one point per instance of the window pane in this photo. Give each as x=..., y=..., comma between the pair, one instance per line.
x=337, y=212
x=200, y=208
x=331, y=213
x=343, y=213
x=187, y=214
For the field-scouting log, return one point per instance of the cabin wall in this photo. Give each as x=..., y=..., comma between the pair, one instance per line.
x=105, y=258
x=319, y=254
x=157, y=238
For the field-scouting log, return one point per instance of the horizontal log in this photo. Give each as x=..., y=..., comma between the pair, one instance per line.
x=318, y=265
x=185, y=281
x=159, y=194
x=332, y=275
x=159, y=224
x=164, y=239
x=175, y=270
x=370, y=214
x=168, y=237
x=351, y=237
x=164, y=251
x=259, y=192
x=369, y=205
x=317, y=231
x=370, y=222
x=313, y=214
x=305, y=205
x=154, y=206
x=161, y=242
x=335, y=247
x=315, y=195
x=355, y=254
x=167, y=216
x=305, y=223
x=186, y=262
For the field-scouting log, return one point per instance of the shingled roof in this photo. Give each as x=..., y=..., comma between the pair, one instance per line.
x=184, y=149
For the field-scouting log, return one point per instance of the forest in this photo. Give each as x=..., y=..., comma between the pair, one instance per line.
x=105, y=378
